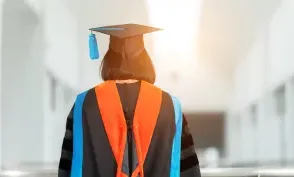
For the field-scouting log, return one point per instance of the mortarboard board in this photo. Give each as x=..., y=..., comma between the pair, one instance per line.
x=126, y=39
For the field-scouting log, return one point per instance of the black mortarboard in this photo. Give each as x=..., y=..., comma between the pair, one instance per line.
x=126, y=39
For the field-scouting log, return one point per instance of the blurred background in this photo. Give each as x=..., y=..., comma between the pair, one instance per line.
x=229, y=61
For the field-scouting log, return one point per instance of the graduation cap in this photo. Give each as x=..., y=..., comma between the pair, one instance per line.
x=126, y=39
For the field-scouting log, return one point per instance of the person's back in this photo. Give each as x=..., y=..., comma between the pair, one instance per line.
x=127, y=127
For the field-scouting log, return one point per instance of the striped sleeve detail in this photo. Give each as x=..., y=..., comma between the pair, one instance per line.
x=67, y=148
x=189, y=159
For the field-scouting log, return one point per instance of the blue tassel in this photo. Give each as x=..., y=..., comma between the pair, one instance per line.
x=93, y=47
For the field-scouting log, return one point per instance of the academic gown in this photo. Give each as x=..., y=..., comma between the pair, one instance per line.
x=94, y=156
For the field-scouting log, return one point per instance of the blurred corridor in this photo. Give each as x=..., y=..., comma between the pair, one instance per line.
x=229, y=61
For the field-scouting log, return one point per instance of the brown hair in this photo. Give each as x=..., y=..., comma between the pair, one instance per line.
x=115, y=66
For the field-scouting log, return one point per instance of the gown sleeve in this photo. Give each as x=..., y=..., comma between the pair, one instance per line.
x=189, y=159
x=65, y=161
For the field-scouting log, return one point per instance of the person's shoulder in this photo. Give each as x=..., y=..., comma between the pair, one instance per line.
x=86, y=98
x=87, y=93
x=172, y=97
x=164, y=92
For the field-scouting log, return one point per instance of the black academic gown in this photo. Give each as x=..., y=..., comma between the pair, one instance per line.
x=98, y=159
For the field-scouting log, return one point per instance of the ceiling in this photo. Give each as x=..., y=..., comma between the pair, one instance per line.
x=227, y=29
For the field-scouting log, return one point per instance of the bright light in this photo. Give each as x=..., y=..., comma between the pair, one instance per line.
x=13, y=173
x=276, y=171
x=175, y=48
x=180, y=20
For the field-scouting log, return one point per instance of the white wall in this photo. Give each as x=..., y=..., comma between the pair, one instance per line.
x=268, y=64
x=62, y=54
x=1, y=85
x=62, y=60
x=22, y=78
x=28, y=133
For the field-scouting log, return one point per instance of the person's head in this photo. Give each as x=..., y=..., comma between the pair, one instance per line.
x=127, y=57
x=114, y=66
